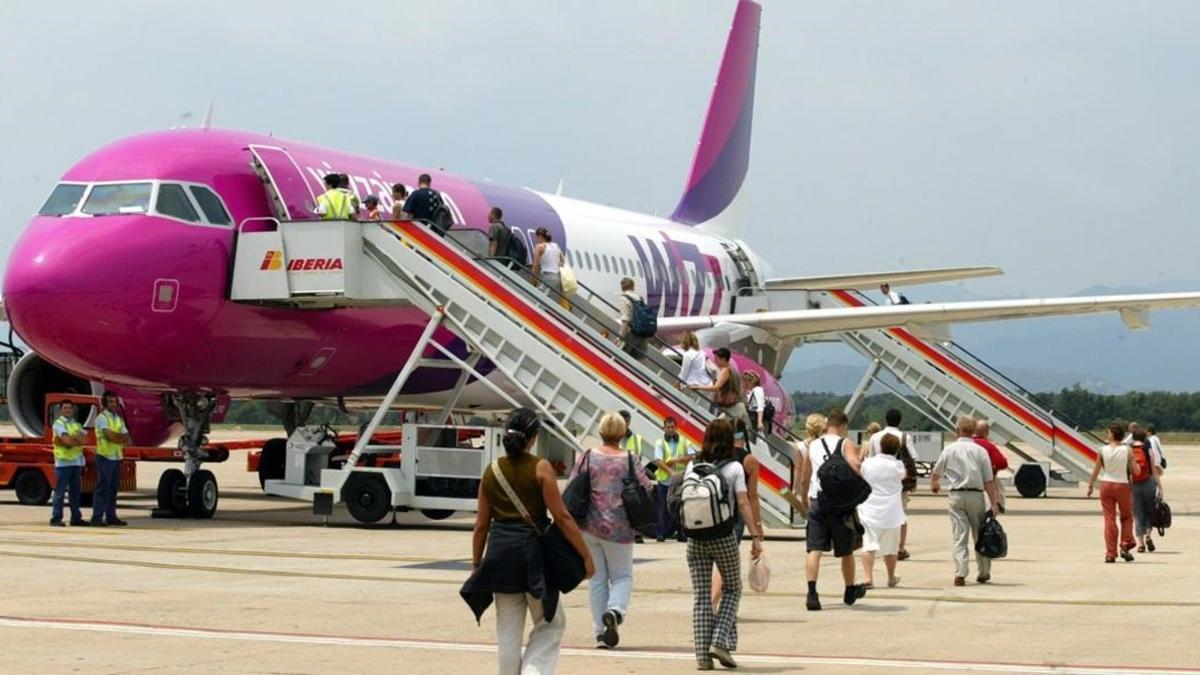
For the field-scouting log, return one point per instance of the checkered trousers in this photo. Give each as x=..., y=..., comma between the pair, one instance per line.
x=720, y=630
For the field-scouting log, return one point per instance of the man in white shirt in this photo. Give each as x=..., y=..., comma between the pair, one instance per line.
x=1156, y=445
x=892, y=297
x=967, y=470
x=893, y=418
x=827, y=531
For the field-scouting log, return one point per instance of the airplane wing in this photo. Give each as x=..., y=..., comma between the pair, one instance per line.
x=874, y=279
x=794, y=323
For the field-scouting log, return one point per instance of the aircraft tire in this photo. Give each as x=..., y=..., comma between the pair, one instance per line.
x=437, y=514
x=203, y=495
x=170, y=492
x=271, y=461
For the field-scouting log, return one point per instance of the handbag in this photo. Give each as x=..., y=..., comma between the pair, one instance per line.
x=578, y=495
x=1160, y=518
x=562, y=565
x=566, y=276
x=639, y=506
x=760, y=574
x=991, y=542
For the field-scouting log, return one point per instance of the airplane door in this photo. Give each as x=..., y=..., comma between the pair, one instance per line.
x=291, y=195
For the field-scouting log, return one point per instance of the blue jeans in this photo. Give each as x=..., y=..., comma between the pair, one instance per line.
x=612, y=584
x=666, y=525
x=104, y=501
x=66, y=478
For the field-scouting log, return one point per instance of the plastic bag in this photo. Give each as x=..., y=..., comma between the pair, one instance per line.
x=760, y=574
x=570, y=283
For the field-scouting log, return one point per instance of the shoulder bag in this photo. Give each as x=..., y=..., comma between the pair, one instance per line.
x=578, y=495
x=639, y=505
x=561, y=563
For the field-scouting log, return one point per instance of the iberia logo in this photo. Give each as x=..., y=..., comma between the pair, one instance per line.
x=314, y=264
x=273, y=260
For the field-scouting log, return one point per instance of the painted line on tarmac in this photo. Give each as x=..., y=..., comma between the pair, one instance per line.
x=218, y=569
x=222, y=551
x=789, y=660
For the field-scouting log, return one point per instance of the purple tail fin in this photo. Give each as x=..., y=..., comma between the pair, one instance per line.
x=724, y=149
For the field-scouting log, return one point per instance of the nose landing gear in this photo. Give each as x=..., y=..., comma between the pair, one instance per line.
x=192, y=492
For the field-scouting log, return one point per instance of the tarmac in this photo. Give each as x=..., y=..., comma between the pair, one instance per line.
x=265, y=587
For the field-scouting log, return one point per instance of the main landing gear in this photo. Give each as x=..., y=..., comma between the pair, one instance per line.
x=192, y=492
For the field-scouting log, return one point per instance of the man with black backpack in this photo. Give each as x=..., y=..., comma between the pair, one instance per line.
x=426, y=204
x=967, y=470
x=503, y=242
x=832, y=489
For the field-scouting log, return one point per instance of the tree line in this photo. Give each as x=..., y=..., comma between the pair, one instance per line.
x=1168, y=411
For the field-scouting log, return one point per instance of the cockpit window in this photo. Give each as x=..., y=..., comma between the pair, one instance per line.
x=210, y=204
x=63, y=200
x=120, y=198
x=173, y=201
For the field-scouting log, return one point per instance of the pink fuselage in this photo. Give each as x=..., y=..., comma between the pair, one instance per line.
x=80, y=290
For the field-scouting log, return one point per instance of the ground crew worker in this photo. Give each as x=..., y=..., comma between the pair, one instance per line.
x=111, y=438
x=68, y=464
x=344, y=186
x=671, y=455
x=333, y=204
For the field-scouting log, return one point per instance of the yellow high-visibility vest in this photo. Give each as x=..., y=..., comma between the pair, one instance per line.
x=106, y=448
x=68, y=453
x=679, y=450
x=337, y=205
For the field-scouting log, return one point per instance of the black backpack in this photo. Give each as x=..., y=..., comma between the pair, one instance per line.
x=440, y=217
x=515, y=248
x=1160, y=518
x=643, y=320
x=768, y=417
x=841, y=488
x=903, y=300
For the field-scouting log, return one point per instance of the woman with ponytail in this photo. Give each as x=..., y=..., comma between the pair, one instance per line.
x=511, y=573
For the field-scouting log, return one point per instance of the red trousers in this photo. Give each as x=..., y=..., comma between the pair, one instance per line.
x=1114, y=496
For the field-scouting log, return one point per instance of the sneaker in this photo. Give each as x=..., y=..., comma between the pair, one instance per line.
x=1150, y=544
x=721, y=654
x=99, y=523
x=600, y=644
x=80, y=523
x=902, y=555
x=813, y=602
x=1109, y=560
x=611, y=620
x=639, y=539
x=704, y=665
x=960, y=581
x=117, y=522
x=1126, y=555
x=660, y=539
x=57, y=523
x=983, y=578
x=854, y=593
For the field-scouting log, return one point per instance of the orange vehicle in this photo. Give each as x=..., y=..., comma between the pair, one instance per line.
x=27, y=464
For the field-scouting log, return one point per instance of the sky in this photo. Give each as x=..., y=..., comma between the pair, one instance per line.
x=1056, y=140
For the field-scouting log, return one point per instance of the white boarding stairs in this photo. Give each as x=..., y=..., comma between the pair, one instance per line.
x=953, y=383
x=567, y=369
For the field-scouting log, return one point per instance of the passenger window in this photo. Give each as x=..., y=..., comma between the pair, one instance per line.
x=210, y=204
x=624, y=269
x=172, y=201
x=606, y=267
x=595, y=264
x=62, y=200
x=118, y=199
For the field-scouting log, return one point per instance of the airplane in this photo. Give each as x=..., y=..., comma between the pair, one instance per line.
x=122, y=280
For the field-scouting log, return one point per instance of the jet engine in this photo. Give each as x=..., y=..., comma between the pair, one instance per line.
x=34, y=377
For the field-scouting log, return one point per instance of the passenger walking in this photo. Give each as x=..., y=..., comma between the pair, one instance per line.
x=426, y=204
x=692, y=368
x=829, y=529
x=751, y=467
x=547, y=263
x=511, y=573
x=814, y=428
x=1156, y=445
x=333, y=204
x=995, y=457
x=607, y=531
x=968, y=475
x=1114, y=464
x=399, y=196
x=1146, y=477
x=756, y=405
x=892, y=419
x=345, y=188
x=715, y=635
x=631, y=342
x=892, y=297
x=498, y=233
x=671, y=455
x=882, y=514
x=111, y=438
x=727, y=390
x=372, y=205
x=68, y=464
